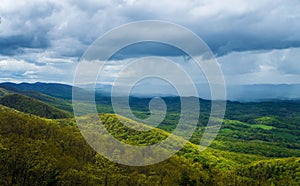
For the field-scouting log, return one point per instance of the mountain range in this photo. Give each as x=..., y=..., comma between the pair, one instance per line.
x=40, y=143
x=243, y=93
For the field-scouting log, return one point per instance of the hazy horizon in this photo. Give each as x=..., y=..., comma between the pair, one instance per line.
x=243, y=93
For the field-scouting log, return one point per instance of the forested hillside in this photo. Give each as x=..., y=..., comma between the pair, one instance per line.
x=32, y=106
x=36, y=151
x=51, y=94
x=258, y=144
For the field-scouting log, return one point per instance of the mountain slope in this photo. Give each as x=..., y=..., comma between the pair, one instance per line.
x=52, y=89
x=285, y=171
x=59, y=103
x=51, y=152
x=32, y=90
x=48, y=153
x=32, y=106
x=3, y=92
x=243, y=131
x=258, y=143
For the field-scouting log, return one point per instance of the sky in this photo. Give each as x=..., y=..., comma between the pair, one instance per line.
x=254, y=42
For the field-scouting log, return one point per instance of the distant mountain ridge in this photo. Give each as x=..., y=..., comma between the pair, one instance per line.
x=263, y=92
x=53, y=89
x=243, y=93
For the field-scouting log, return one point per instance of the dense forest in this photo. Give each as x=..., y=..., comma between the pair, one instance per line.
x=40, y=144
x=33, y=106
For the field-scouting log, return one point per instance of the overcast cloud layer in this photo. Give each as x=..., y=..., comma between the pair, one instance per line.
x=255, y=41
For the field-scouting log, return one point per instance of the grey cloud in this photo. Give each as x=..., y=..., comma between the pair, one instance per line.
x=226, y=27
x=13, y=45
x=64, y=29
x=231, y=25
x=289, y=61
x=24, y=27
x=146, y=49
x=256, y=67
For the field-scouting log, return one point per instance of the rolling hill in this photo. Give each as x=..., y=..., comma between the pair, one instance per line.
x=32, y=106
x=32, y=90
x=258, y=143
x=3, y=92
x=48, y=152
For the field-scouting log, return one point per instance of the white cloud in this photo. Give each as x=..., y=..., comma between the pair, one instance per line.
x=14, y=65
x=21, y=70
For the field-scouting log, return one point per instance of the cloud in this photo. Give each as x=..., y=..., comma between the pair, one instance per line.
x=12, y=45
x=257, y=39
x=230, y=25
x=262, y=67
x=21, y=70
x=16, y=66
x=225, y=26
x=278, y=66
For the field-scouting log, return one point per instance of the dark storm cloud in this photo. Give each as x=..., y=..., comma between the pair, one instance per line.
x=13, y=45
x=56, y=34
x=147, y=49
x=225, y=26
x=239, y=43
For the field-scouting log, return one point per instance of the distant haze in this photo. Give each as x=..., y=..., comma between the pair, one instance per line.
x=234, y=92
